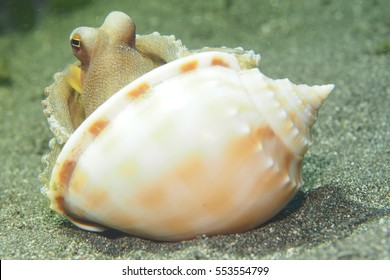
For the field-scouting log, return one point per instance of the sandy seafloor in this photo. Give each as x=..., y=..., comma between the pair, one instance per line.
x=342, y=211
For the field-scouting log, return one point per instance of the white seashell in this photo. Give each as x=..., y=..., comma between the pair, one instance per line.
x=195, y=146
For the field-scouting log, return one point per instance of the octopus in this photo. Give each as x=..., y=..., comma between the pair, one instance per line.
x=110, y=57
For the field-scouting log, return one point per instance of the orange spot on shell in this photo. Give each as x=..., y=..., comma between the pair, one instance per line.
x=272, y=87
x=58, y=204
x=192, y=165
x=152, y=198
x=221, y=200
x=294, y=117
x=98, y=126
x=138, y=90
x=78, y=182
x=179, y=224
x=66, y=172
x=98, y=198
x=189, y=66
x=219, y=61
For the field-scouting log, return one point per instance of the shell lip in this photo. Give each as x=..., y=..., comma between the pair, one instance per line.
x=84, y=224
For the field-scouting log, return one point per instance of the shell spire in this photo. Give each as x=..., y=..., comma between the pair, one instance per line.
x=290, y=109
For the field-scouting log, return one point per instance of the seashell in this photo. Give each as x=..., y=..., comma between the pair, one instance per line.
x=203, y=143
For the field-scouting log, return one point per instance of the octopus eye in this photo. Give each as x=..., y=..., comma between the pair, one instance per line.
x=76, y=42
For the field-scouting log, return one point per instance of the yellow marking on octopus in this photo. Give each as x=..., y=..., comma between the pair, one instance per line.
x=73, y=77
